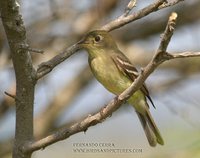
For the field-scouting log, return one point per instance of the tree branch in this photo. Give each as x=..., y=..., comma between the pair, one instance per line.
x=10, y=95
x=168, y=4
x=24, y=72
x=185, y=55
x=114, y=104
x=129, y=7
x=45, y=67
x=123, y=20
x=141, y=31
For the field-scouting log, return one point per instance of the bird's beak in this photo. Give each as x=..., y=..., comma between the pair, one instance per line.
x=82, y=43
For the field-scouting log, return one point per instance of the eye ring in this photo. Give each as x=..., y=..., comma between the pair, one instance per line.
x=98, y=38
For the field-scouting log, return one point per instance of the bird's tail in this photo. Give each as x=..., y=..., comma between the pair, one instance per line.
x=152, y=132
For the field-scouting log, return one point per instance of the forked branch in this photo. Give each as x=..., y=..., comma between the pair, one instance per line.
x=160, y=56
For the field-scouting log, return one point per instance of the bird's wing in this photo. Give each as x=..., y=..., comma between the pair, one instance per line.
x=125, y=66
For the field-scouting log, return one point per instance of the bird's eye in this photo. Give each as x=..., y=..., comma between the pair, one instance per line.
x=98, y=38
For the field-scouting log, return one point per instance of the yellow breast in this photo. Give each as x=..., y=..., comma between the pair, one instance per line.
x=109, y=75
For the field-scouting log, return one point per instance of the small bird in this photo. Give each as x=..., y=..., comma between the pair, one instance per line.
x=116, y=73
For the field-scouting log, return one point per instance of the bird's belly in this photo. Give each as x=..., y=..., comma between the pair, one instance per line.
x=109, y=76
x=116, y=82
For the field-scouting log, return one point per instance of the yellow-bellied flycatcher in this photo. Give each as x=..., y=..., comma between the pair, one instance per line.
x=116, y=73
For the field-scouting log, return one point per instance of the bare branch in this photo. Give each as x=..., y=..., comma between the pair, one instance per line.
x=28, y=48
x=168, y=4
x=46, y=67
x=185, y=55
x=26, y=76
x=114, y=104
x=129, y=7
x=123, y=20
x=166, y=37
x=10, y=95
x=141, y=31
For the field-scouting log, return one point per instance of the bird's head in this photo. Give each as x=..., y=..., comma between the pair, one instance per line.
x=98, y=39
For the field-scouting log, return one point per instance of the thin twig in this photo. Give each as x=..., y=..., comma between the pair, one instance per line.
x=34, y=50
x=185, y=55
x=129, y=7
x=10, y=95
x=165, y=39
x=28, y=48
x=168, y=4
x=123, y=20
x=46, y=67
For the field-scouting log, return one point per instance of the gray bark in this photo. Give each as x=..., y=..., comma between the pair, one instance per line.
x=24, y=72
